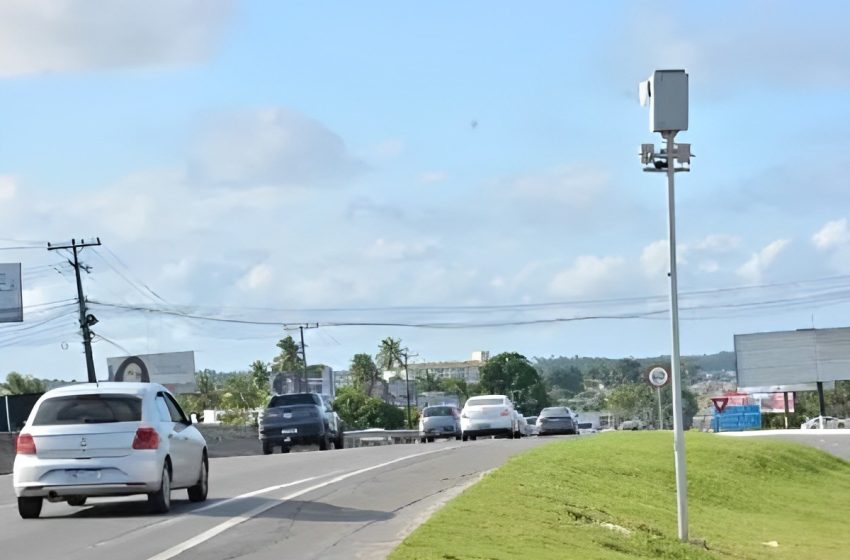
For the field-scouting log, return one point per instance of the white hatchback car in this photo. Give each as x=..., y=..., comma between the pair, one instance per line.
x=108, y=439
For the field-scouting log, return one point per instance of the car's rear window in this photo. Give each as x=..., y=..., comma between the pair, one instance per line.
x=88, y=409
x=485, y=402
x=555, y=412
x=289, y=400
x=437, y=411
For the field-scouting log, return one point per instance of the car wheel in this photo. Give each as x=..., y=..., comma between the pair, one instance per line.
x=324, y=442
x=284, y=449
x=340, y=441
x=77, y=501
x=473, y=438
x=463, y=437
x=430, y=440
x=423, y=440
x=457, y=436
x=198, y=492
x=268, y=448
x=30, y=508
x=160, y=501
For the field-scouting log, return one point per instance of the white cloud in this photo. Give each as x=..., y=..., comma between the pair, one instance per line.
x=753, y=269
x=709, y=266
x=578, y=187
x=390, y=148
x=589, y=275
x=655, y=257
x=383, y=249
x=38, y=36
x=431, y=177
x=718, y=243
x=8, y=188
x=832, y=234
x=273, y=146
x=258, y=278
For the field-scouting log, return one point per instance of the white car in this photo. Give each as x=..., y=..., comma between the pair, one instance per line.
x=488, y=415
x=108, y=439
x=829, y=422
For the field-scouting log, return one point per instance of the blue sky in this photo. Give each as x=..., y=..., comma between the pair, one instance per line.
x=282, y=161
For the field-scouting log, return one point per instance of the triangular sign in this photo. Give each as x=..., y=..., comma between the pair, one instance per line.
x=720, y=403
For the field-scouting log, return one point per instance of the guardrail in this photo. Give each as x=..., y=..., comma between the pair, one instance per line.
x=365, y=438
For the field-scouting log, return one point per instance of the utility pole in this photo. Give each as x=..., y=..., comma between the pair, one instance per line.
x=303, y=386
x=407, y=384
x=86, y=320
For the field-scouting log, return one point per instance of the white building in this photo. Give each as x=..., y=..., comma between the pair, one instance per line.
x=467, y=370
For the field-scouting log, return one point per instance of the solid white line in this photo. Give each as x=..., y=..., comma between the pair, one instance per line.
x=234, y=521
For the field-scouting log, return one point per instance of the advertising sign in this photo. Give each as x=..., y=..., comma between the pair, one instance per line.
x=175, y=370
x=11, y=300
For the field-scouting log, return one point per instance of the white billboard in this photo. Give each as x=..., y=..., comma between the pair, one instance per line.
x=792, y=357
x=11, y=301
x=175, y=370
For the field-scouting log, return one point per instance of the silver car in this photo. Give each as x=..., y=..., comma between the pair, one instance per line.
x=108, y=439
x=439, y=422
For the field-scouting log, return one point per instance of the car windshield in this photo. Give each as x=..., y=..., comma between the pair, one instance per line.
x=88, y=409
x=437, y=411
x=289, y=400
x=555, y=412
x=485, y=402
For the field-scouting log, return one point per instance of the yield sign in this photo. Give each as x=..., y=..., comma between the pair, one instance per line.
x=720, y=403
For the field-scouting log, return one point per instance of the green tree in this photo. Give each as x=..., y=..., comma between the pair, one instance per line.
x=568, y=379
x=640, y=401
x=457, y=387
x=240, y=396
x=390, y=354
x=359, y=411
x=17, y=384
x=513, y=375
x=364, y=372
x=260, y=373
x=207, y=396
x=429, y=381
x=289, y=359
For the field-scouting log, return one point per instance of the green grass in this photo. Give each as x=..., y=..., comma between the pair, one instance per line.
x=550, y=503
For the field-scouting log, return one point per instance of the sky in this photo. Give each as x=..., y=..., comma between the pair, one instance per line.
x=463, y=176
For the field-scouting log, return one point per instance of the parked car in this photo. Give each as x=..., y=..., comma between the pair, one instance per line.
x=488, y=415
x=439, y=422
x=632, y=425
x=531, y=422
x=556, y=420
x=108, y=439
x=829, y=422
x=300, y=419
x=586, y=428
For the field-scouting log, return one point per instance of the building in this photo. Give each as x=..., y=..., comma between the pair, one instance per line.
x=467, y=370
x=293, y=382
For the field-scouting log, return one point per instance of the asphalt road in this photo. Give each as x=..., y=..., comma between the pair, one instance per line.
x=346, y=504
x=836, y=442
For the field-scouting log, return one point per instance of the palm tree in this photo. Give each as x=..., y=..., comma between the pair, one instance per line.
x=390, y=354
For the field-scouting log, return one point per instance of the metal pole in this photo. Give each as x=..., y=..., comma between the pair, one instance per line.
x=8, y=416
x=821, y=404
x=678, y=428
x=660, y=413
x=785, y=395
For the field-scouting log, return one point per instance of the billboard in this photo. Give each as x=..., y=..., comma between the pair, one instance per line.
x=792, y=357
x=11, y=301
x=175, y=370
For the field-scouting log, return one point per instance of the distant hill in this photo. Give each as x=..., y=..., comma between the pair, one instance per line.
x=705, y=363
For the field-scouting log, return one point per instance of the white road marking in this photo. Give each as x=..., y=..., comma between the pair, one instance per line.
x=234, y=521
x=208, y=507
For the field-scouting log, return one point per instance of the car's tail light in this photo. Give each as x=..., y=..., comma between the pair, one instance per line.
x=25, y=445
x=505, y=412
x=146, y=438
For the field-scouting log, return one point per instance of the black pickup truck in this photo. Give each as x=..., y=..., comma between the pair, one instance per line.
x=300, y=419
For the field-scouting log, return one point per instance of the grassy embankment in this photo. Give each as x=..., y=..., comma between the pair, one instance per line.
x=746, y=495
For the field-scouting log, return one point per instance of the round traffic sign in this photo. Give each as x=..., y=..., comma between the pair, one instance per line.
x=658, y=377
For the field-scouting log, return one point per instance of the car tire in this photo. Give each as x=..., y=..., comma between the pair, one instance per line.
x=324, y=442
x=77, y=501
x=160, y=501
x=430, y=440
x=464, y=437
x=198, y=492
x=457, y=437
x=268, y=448
x=30, y=508
x=423, y=440
x=473, y=438
x=340, y=441
x=284, y=449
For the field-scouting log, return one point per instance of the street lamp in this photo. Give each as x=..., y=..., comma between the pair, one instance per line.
x=666, y=93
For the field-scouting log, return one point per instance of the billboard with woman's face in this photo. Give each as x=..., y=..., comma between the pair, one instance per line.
x=175, y=370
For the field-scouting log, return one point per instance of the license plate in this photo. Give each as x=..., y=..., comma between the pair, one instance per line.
x=287, y=415
x=85, y=475
x=483, y=426
x=289, y=431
